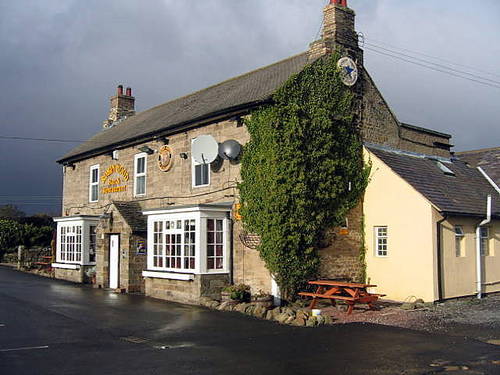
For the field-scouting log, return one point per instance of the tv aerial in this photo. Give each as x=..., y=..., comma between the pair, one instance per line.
x=229, y=150
x=204, y=149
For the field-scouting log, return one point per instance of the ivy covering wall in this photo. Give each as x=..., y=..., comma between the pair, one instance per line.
x=302, y=170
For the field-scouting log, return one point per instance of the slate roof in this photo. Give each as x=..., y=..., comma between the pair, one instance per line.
x=132, y=214
x=487, y=159
x=245, y=90
x=462, y=194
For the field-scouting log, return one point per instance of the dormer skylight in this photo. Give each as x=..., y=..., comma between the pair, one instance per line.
x=447, y=171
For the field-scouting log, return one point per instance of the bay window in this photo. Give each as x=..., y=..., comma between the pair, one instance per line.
x=188, y=240
x=76, y=240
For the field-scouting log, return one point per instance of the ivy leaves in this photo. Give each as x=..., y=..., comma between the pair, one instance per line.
x=304, y=154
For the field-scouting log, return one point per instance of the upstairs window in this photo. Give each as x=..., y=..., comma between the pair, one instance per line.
x=484, y=241
x=381, y=241
x=201, y=174
x=140, y=175
x=94, y=184
x=459, y=237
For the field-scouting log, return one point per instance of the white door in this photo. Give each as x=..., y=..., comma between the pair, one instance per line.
x=114, y=260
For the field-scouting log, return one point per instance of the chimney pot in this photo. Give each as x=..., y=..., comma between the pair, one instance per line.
x=119, y=90
x=339, y=2
x=129, y=91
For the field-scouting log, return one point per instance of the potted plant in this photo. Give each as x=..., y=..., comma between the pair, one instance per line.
x=263, y=299
x=235, y=293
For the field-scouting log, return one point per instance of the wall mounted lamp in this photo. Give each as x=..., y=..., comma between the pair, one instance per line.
x=183, y=155
x=148, y=150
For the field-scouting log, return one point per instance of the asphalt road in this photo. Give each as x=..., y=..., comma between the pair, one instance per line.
x=54, y=327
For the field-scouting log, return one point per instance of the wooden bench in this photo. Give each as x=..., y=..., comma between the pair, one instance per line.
x=350, y=293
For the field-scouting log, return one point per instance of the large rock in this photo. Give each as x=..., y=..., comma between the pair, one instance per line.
x=312, y=322
x=260, y=312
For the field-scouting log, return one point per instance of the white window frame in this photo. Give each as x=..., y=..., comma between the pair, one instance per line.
x=459, y=241
x=377, y=237
x=79, y=246
x=200, y=215
x=484, y=241
x=194, y=163
x=92, y=183
x=143, y=174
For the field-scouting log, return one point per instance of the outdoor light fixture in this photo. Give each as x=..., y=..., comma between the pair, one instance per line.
x=148, y=150
x=183, y=155
x=165, y=140
x=114, y=155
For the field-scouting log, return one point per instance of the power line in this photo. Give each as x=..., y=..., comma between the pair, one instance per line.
x=44, y=139
x=433, y=63
x=434, y=68
x=435, y=57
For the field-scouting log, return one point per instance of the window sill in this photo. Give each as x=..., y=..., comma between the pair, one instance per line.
x=168, y=275
x=66, y=266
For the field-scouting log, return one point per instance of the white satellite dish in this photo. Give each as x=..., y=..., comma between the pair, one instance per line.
x=229, y=150
x=204, y=149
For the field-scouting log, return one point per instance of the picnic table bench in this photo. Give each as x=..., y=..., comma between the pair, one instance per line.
x=350, y=293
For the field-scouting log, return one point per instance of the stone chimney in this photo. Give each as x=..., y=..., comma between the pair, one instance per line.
x=338, y=30
x=122, y=106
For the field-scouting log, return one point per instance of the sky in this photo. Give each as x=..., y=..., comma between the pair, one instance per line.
x=61, y=60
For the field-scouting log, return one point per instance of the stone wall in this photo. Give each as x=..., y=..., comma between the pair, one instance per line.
x=340, y=255
x=131, y=263
x=188, y=292
x=76, y=276
x=249, y=268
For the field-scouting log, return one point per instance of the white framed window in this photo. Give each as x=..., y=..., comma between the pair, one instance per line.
x=381, y=236
x=215, y=244
x=94, y=184
x=459, y=239
x=200, y=173
x=76, y=240
x=484, y=241
x=140, y=168
x=191, y=240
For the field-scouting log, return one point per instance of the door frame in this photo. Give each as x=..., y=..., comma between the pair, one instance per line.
x=118, y=259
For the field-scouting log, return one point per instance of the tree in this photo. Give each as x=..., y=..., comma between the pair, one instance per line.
x=9, y=211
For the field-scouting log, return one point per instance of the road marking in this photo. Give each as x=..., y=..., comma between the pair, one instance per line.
x=25, y=348
x=2, y=325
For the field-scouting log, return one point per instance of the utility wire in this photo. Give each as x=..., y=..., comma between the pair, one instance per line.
x=434, y=57
x=491, y=84
x=44, y=139
x=433, y=63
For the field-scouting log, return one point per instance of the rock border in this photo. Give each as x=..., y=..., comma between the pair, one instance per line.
x=290, y=315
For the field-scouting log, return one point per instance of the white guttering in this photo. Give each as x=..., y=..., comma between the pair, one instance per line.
x=479, y=265
x=492, y=183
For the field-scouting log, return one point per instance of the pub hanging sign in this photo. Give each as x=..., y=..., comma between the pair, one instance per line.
x=115, y=179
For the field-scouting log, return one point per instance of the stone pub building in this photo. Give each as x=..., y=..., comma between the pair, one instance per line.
x=139, y=214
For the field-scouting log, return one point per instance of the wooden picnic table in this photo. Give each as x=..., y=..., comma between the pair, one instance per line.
x=350, y=293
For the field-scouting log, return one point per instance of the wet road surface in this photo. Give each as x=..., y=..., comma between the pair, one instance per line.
x=54, y=327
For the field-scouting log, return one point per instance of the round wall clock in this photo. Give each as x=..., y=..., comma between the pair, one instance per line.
x=349, y=71
x=165, y=158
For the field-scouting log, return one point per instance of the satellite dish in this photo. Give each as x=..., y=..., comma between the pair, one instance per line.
x=204, y=149
x=229, y=150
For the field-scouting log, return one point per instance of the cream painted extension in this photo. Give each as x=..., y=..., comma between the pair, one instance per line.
x=408, y=269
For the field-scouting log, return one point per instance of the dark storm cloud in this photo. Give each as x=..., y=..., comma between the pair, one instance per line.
x=60, y=60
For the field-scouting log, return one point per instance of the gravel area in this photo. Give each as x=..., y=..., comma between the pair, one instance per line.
x=469, y=317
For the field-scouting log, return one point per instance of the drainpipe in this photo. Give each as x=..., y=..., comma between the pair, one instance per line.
x=231, y=251
x=479, y=268
x=439, y=257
